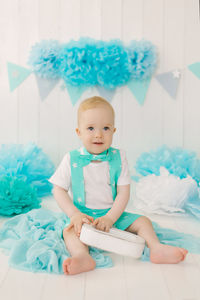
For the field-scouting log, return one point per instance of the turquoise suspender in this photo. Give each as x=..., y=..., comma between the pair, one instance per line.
x=78, y=161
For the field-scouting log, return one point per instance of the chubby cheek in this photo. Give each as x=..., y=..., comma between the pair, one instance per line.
x=109, y=138
x=87, y=138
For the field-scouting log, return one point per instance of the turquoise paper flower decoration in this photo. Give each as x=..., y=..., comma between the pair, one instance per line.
x=91, y=62
x=24, y=174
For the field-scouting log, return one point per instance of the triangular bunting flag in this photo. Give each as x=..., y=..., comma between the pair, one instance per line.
x=75, y=92
x=169, y=81
x=105, y=93
x=16, y=75
x=195, y=69
x=45, y=86
x=139, y=89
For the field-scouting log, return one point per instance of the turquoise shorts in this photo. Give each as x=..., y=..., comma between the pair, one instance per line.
x=124, y=221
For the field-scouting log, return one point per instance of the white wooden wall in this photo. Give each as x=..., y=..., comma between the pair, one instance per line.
x=172, y=25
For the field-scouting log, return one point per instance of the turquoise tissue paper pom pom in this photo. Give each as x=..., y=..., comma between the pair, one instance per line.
x=76, y=62
x=16, y=196
x=177, y=161
x=90, y=62
x=142, y=58
x=44, y=59
x=112, y=64
x=23, y=167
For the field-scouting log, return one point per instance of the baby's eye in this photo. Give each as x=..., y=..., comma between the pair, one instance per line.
x=90, y=128
x=106, y=128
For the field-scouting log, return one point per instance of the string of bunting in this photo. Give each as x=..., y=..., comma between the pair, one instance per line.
x=88, y=63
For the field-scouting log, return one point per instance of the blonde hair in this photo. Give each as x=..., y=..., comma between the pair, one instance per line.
x=94, y=102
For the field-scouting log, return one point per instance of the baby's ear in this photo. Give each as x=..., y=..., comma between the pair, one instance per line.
x=114, y=129
x=78, y=131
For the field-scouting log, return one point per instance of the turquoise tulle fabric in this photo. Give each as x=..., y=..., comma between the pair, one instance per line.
x=24, y=174
x=34, y=242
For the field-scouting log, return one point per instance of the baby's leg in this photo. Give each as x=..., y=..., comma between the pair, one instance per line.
x=80, y=260
x=159, y=253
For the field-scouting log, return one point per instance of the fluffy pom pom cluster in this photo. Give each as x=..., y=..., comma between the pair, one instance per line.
x=142, y=59
x=177, y=161
x=16, y=196
x=24, y=173
x=44, y=58
x=91, y=62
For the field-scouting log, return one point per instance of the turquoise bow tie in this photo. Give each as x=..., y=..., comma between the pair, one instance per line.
x=87, y=157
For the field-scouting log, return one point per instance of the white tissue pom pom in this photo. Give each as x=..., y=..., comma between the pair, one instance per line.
x=165, y=193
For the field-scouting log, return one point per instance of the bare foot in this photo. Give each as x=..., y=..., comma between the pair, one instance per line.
x=166, y=254
x=78, y=264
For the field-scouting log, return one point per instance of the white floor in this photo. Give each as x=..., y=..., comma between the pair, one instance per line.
x=128, y=279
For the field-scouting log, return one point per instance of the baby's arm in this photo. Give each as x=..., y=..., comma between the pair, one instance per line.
x=123, y=194
x=120, y=203
x=65, y=203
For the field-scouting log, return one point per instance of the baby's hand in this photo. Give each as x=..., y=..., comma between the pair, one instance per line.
x=103, y=223
x=77, y=221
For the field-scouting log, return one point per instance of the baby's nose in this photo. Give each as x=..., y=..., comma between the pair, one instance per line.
x=98, y=133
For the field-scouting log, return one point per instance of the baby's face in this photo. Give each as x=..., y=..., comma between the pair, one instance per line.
x=96, y=128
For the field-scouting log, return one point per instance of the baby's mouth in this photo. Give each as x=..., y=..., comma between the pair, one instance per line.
x=98, y=143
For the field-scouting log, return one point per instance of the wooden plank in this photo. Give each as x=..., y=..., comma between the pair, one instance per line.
x=90, y=18
x=132, y=20
x=69, y=20
x=182, y=279
x=142, y=125
x=49, y=14
x=28, y=125
x=151, y=112
x=9, y=52
x=4, y=268
x=131, y=130
x=111, y=27
x=64, y=287
x=196, y=258
x=144, y=280
x=173, y=31
x=107, y=283
x=21, y=285
x=191, y=82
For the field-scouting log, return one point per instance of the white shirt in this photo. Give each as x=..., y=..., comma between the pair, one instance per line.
x=98, y=193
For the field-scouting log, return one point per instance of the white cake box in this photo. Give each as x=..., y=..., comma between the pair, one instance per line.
x=117, y=241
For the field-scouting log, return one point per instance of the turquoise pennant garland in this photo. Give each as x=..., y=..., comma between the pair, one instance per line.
x=16, y=75
x=195, y=69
